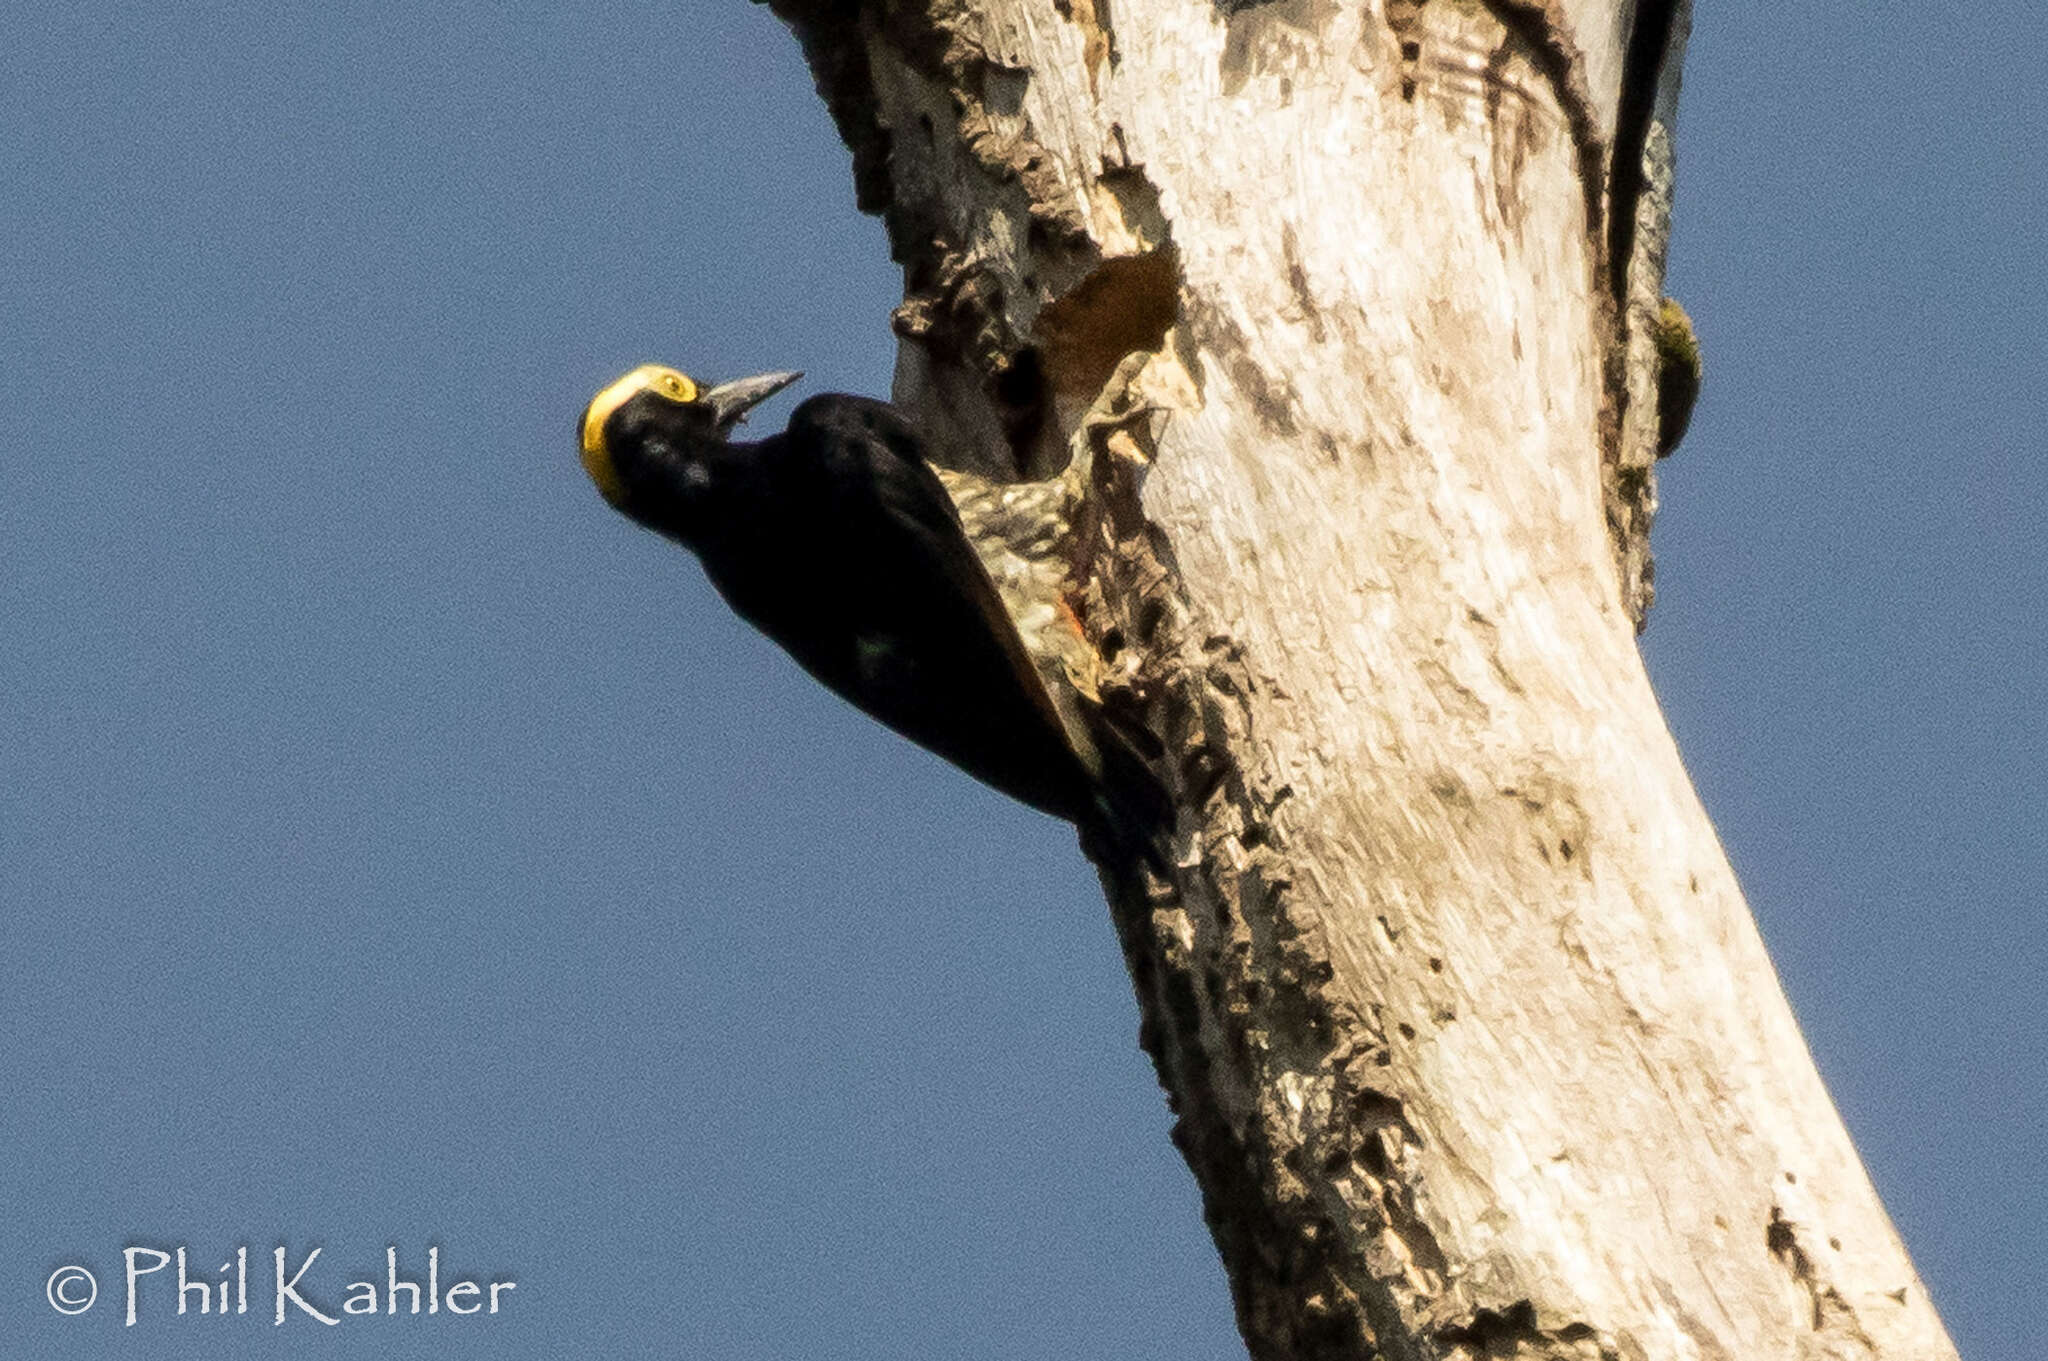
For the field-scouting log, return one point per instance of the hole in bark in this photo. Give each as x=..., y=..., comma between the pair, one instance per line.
x=1374, y=1110
x=1778, y=1237
x=1021, y=400
x=1151, y=615
x=1495, y=1334
x=1127, y=303
x=1018, y=384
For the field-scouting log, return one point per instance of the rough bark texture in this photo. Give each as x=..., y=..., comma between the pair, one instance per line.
x=1307, y=335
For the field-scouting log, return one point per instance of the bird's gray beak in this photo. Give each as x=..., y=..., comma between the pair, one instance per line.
x=730, y=402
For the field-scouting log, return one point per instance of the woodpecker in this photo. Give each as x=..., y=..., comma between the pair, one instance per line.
x=1679, y=370
x=837, y=540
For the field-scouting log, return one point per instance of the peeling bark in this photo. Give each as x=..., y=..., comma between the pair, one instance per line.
x=1288, y=358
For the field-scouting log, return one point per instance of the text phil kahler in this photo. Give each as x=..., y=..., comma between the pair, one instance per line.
x=299, y=1288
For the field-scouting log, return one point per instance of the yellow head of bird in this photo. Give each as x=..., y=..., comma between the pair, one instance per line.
x=597, y=455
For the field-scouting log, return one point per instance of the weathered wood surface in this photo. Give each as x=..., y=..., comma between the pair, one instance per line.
x=1474, y=1045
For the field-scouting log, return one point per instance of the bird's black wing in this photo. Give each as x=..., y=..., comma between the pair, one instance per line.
x=928, y=648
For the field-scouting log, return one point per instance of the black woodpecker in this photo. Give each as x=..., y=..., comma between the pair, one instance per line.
x=836, y=539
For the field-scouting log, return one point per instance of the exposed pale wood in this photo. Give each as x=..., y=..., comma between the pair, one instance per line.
x=1475, y=1047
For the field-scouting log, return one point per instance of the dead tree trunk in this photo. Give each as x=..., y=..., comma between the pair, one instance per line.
x=1309, y=332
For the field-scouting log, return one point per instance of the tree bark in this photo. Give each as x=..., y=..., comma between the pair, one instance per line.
x=1295, y=349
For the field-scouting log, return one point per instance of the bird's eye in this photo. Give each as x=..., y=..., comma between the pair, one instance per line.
x=676, y=386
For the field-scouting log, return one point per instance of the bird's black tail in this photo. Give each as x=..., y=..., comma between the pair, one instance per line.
x=1131, y=815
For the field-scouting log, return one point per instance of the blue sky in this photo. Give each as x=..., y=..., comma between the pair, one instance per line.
x=399, y=850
